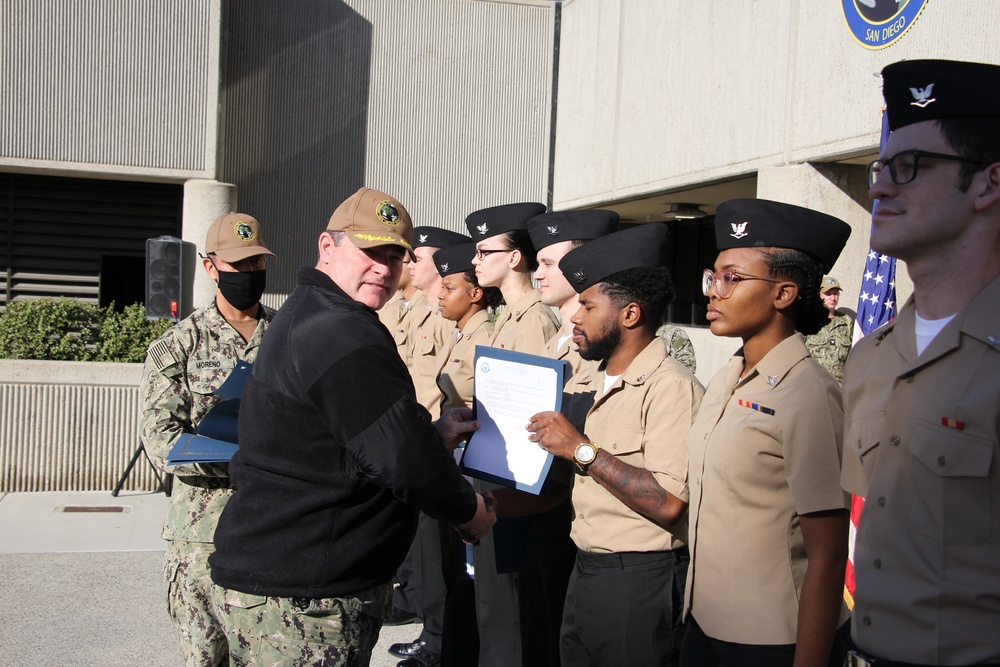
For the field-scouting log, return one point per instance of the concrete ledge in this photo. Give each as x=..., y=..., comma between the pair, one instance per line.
x=21, y=371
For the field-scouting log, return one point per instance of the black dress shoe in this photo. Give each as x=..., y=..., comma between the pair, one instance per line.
x=418, y=650
x=423, y=658
x=400, y=617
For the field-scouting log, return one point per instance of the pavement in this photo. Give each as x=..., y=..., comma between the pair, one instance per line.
x=81, y=583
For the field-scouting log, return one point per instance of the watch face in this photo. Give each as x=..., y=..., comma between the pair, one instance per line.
x=585, y=453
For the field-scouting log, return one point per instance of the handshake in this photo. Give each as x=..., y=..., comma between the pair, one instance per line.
x=480, y=524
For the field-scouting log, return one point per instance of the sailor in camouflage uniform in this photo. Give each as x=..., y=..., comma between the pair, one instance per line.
x=831, y=344
x=678, y=345
x=183, y=367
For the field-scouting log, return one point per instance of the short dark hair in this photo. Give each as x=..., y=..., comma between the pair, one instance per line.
x=973, y=137
x=806, y=272
x=650, y=287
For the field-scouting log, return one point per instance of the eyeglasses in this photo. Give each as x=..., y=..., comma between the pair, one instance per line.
x=481, y=254
x=725, y=281
x=903, y=166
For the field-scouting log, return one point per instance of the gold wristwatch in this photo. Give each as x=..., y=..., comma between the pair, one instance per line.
x=585, y=454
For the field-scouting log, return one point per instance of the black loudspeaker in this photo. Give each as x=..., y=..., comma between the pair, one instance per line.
x=169, y=278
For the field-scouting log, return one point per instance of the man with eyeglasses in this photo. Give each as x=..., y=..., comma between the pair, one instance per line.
x=183, y=367
x=922, y=394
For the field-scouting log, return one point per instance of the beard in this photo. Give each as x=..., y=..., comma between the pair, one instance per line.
x=602, y=347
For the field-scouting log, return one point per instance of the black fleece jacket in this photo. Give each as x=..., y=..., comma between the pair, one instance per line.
x=336, y=456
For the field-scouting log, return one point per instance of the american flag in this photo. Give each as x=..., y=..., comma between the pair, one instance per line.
x=876, y=306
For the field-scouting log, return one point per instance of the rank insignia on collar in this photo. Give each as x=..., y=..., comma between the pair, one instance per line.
x=994, y=340
x=482, y=229
x=772, y=380
x=922, y=96
x=739, y=230
x=580, y=277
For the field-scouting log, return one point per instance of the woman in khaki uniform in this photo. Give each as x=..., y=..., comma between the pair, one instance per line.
x=462, y=301
x=768, y=520
x=513, y=584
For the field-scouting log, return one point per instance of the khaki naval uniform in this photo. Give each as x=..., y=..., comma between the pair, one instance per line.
x=921, y=442
x=394, y=315
x=457, y=372
x=183, y=367
x=763, y=452
x=525, y=325
x=570, y=353
x=430, y=338
x=625, y=561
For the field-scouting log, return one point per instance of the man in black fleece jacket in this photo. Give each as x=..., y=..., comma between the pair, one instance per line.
x=336, y=457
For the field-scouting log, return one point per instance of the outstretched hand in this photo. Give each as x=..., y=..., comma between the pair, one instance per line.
x=480, y=524
x=455, y=426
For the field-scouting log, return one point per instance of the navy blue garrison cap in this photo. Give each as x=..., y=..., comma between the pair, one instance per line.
x=435, y=237
x=455, y=259
x=919, y=90
x=759, y=223
x=637, y=247
x=549, y=228
x=488, y=222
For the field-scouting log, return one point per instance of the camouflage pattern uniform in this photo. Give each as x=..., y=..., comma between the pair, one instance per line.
x=678, y=345
x=831, y=344
x=333, y=632
x=183, y=367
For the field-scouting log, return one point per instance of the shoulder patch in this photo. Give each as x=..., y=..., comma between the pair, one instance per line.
x=161, y=355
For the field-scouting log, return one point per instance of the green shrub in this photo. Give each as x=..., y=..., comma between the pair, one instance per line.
x=126, y=335
x=68, y=330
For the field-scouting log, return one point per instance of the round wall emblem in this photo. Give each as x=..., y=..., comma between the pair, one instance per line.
x=244, y=231
x=388, y=213
x=877, y=24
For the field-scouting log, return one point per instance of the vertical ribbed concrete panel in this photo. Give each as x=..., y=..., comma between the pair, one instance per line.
x=459, y=105
x=442, y=103
x=108, y=84
x=68, y=436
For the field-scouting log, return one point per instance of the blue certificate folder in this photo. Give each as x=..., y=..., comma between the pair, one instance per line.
x=214, y=439
x=510, y=387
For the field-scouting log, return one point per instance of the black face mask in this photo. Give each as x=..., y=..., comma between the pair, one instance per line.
x=242, y=290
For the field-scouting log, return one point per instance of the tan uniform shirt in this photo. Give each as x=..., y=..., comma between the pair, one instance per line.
x=457, y=372
x=921, y=445
x=754, y=471
x=393, y=315
x=526, y=325
x=643, y=420
x=430, y=337
x=570, y=353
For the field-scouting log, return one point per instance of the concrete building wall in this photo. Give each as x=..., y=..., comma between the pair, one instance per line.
x=658, y=95
x=445, y=104
x=109, y=87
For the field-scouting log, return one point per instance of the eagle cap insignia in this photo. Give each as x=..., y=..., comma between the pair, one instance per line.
x=243, y=231
x=553, y=230
x=387, y=213
x=739, y=230
x=423, y=238
x=580, y=277
x=482, y=229
x=444, y=267
x=922, y=96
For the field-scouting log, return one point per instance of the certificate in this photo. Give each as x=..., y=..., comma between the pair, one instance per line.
x=214, y=439
x=511, y=387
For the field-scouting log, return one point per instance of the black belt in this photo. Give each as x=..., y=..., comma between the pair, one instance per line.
x=858, y=659
x=623, y=559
